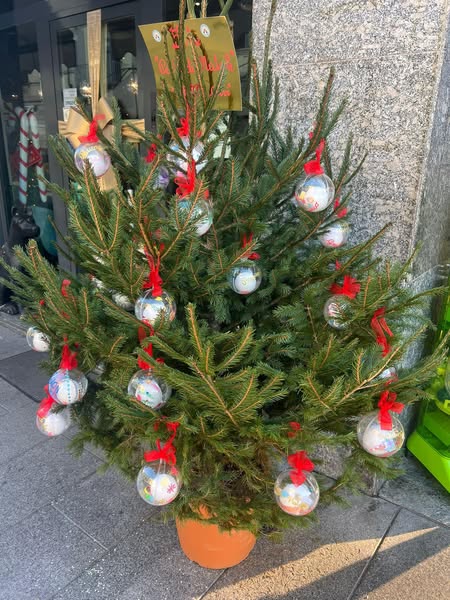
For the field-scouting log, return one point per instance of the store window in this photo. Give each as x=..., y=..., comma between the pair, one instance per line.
x=24, y=133
x=118, y=72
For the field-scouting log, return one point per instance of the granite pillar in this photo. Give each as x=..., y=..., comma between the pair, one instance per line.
x=389, y=60
x=392, y=61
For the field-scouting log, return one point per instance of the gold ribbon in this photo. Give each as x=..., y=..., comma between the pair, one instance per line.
x=76, y=125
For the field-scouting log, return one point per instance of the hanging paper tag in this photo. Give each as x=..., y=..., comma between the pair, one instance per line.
x=213, y=43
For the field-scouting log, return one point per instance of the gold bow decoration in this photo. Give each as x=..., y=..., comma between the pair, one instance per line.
x=77, y=125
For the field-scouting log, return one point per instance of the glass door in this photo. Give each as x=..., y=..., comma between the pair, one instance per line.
x=26, y=201
x=118, y=67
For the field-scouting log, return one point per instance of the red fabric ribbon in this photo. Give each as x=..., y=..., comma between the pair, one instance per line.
x=186, y=183
x=167, y=452
x=42, y=302
x=246, y=241
x=154, y=281
x=142, y=364
x=299, y=463
x=68, y=358
x=151, y=154
x=386, y=403
x=172, y=426
x=313, y=167
x=295, y=428
x=45, y=404
x=183, y=130
x=91, y=137
x=341, y=213
x=380, y=328
x=65, y=284
x=349, y=288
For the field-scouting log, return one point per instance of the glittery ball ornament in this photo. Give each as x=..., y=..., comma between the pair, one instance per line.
x=96, y=156
x=148, y=389
x=158, y=483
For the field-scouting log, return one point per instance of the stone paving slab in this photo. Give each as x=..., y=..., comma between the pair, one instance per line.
x=412, y=563
x=322, y=562
x=42, y=554
x=418, y=490
x=25, y=373
x=107, y=505
x=18, y=432
x=39, y=475
x=11, y=343
x=147, y=565
x=12, y=399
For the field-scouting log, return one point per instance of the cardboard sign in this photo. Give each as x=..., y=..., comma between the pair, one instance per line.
x=214, y=47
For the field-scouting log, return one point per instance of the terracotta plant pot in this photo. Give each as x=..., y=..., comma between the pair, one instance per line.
x=206, y=545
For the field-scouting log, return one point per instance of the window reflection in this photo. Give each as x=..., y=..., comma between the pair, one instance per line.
x=118, y=73
x=24, y=130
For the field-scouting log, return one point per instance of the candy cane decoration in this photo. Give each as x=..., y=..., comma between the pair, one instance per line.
x=34, y=130
x=29, y=127
x=23, y=153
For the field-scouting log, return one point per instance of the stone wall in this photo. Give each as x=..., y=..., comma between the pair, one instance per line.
x=388, y=56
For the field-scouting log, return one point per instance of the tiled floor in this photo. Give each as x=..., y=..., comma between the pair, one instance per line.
x=68, y=533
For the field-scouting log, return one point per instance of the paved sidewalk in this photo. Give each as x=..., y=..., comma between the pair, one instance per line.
x=68, y=533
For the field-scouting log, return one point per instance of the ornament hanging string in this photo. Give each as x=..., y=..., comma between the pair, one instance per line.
x=45, y=404
x=299, y=462
x=151, y=154
x=167, y=452
x=65, y=284
x=184, y=130
x=313, y=167
x=295, y=429
x=92, y=136
x=142, y=364
x=349, y=288
x=68, y=358
x=386, y=403
x=340, y=213
x=380, y=328
x=246, y=241
x=154, y=280
x=186, y=183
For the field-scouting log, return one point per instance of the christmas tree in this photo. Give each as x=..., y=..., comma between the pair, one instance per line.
x=206, y=267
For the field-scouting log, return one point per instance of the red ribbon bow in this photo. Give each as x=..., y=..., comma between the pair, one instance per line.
x=313, y=167
x=186, y=183
x=349, y=288
x=380, y=327
x=246, y=241
x=167, y=452
x=68, y=358
x=299, y=462
x=65, y=284
x=91, y=137
x=154, y=281
x=45, y=404
x=386, y=403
